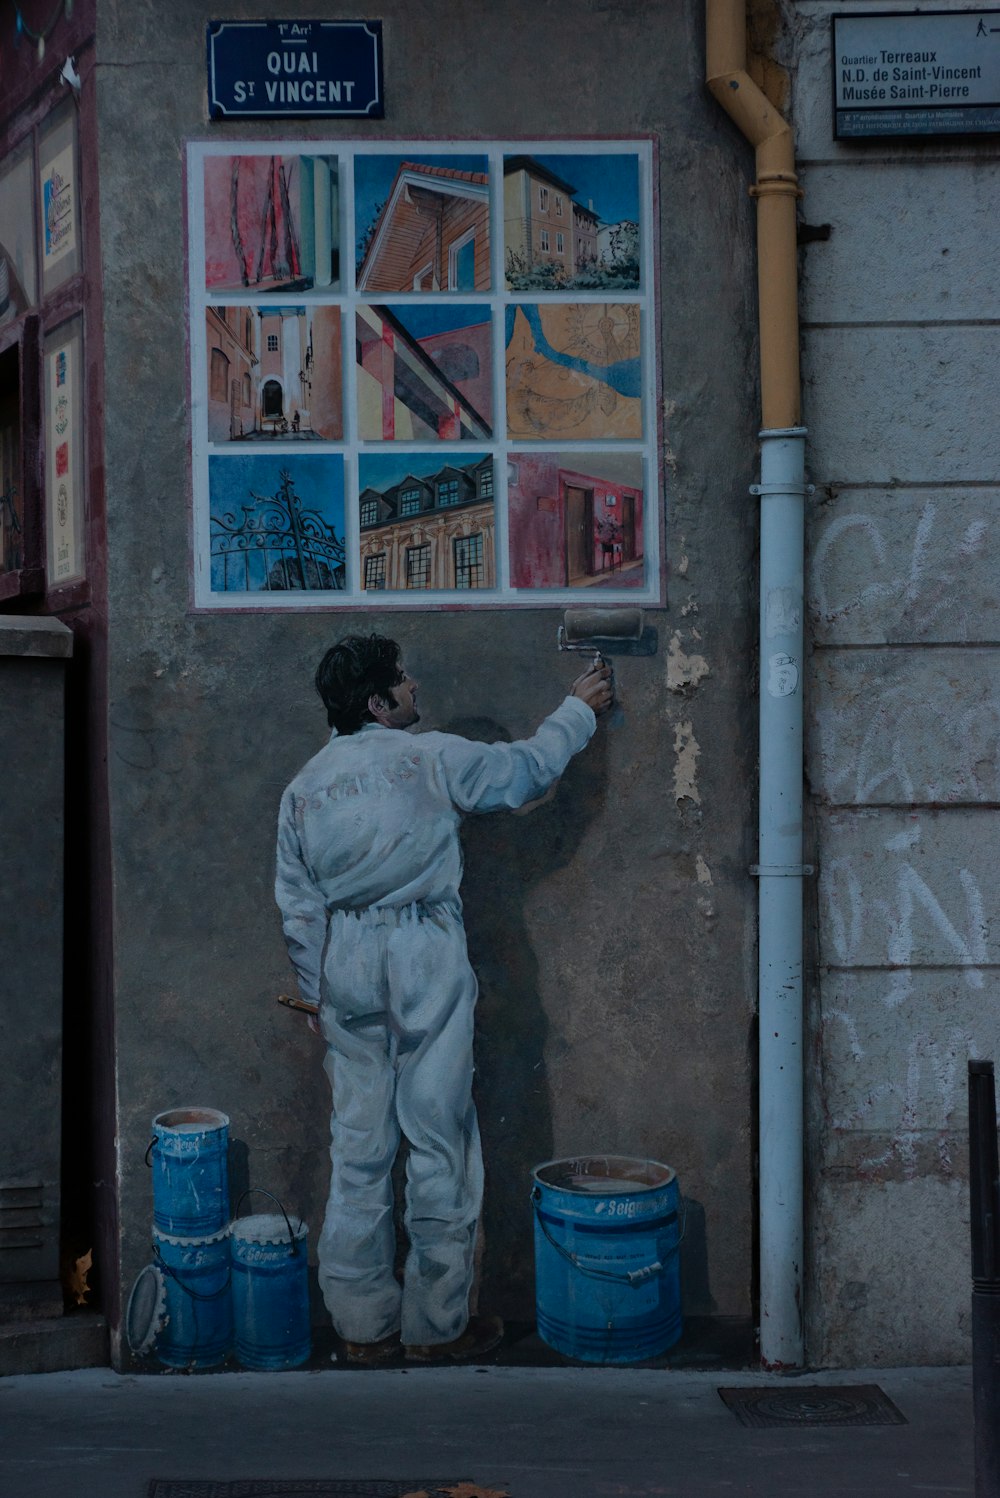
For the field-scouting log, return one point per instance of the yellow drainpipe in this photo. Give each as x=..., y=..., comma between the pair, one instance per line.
x=776, y=191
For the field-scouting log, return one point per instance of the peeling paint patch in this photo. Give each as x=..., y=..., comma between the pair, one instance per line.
x=703, y=871
x=684, y=671
x=686, y=767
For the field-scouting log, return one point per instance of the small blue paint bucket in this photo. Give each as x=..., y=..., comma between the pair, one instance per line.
x=270, y=1288
x=607, y=1279
x=189, y=1158
x=196, y=1330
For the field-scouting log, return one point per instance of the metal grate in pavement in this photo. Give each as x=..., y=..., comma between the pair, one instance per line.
x=319, y=1487
x=815, y=1404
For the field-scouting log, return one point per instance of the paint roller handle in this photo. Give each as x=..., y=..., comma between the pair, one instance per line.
x=595, y=686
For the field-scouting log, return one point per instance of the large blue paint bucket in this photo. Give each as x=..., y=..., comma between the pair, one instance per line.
x=270, y=1289
x=189, y=1158
x=607, y=1279
x=197, y=1328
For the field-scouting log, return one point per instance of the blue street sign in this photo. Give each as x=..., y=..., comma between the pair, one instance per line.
x=263, y=69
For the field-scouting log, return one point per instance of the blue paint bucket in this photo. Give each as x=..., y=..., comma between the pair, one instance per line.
x=189, y=1158
x=196, y=1329
x=607, y=1279
x=270, y=1289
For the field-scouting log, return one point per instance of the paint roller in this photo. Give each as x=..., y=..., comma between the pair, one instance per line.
x=600, y=633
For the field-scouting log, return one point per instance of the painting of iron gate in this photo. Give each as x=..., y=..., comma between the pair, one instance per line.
x=277, y=523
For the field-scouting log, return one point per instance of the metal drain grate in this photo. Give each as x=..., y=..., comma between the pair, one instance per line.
x=817, y=1404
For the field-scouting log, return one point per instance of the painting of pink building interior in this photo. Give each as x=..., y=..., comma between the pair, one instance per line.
x=274, y=371
x=575, y=520
x=423, y=223
x=272, y=223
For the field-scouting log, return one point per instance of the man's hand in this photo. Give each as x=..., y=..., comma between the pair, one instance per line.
x=594, y=688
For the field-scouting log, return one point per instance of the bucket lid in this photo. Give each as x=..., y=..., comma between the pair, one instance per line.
x=604, y=1175
x=190, y=1120
x=146, y=1314
x=266, y=1227
x=183, y=1241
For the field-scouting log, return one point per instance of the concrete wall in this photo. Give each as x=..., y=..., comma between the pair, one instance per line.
x=899, y=333
x=612, y=930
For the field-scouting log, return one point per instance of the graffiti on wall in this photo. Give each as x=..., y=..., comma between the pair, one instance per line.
x=461, y=333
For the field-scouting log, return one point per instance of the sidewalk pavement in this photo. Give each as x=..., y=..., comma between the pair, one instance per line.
x=566, y=1432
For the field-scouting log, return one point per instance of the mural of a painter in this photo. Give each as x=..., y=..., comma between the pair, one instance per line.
x=368, y=873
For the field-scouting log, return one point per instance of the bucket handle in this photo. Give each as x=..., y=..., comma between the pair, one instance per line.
x=293, y=1246
x=149, y=1149
x=194, y=1294
x=631, y=1277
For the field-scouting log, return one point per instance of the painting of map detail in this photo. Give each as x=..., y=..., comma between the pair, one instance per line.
x=424, y=372
x=575, y=519
x=277, y=522
x=571, y=223
x=427, y=521
x=423, y=223
x=274, y=371
x=574, y=371
x=272, y=223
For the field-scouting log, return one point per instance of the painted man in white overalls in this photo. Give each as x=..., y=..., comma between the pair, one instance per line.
x=369, y=866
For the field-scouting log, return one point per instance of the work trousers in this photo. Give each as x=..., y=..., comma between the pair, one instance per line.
x=398, y=998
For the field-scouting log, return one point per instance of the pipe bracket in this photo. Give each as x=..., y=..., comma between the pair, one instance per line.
x=782, y=870
x=765, y=489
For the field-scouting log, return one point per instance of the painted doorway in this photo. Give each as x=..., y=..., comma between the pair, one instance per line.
x=272, y=405
x=628, y=527
x=579, y=510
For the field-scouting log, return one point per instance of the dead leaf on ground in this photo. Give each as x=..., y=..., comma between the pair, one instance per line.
x=78, y=1287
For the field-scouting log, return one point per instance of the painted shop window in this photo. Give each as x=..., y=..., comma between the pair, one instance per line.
x=418, y=567
x=60, y=211
x=459, y=355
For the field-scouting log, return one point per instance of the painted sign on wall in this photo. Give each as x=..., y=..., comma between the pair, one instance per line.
x=295, y=69
x=423, y=372
x=64, y=455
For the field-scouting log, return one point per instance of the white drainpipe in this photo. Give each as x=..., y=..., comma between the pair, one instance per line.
x=782, y=493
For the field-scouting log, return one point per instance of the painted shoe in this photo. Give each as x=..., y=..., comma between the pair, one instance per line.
x=371, y=1354
x=482, y=1334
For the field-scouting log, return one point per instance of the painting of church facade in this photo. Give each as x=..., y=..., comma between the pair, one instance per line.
x=274, y=371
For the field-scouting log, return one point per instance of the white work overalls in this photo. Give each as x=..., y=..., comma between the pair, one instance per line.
x=368, y=875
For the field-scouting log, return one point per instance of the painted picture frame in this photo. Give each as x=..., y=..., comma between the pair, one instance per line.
x=442, y=356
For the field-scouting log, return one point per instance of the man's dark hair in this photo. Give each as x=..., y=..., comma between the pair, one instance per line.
x=353, y=670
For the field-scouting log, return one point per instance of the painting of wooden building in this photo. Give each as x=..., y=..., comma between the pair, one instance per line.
x=434, y=528
x=431, y=234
